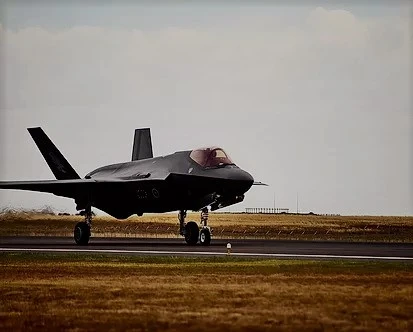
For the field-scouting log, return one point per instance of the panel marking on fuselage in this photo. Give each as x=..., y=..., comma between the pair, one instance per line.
x=141, y=194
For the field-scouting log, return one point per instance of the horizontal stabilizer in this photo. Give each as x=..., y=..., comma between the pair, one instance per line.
x=142, y=144
x=58, y=164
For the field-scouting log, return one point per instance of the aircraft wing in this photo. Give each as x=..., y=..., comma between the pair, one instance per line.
x=71, y=188
x=66, y=188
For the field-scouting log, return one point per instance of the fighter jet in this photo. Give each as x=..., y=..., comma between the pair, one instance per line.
x=199, y=180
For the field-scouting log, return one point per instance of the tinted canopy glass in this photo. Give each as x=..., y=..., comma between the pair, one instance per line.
x=211, y=157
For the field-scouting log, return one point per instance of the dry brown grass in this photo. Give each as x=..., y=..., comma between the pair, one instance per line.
x=307, y=227
x=39, y=292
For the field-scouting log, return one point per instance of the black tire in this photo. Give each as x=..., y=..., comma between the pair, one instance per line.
x=205, y=237
x=191, y=233
x=81, y=233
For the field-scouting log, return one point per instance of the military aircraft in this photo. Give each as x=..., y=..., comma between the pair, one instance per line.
x=196, y=180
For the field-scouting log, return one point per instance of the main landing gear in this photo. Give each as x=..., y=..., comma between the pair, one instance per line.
x=81, y=232
x=194, y=233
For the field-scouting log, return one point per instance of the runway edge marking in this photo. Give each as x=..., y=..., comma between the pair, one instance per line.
x=202, y=253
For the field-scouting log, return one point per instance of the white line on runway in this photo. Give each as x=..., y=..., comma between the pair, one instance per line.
x=199, y=253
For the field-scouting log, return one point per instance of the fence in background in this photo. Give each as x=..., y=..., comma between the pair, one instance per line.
x=267, y=210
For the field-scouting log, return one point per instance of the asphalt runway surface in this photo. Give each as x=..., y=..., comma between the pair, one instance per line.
x=218, y=247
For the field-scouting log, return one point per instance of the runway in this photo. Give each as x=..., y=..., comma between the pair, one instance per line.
x=218, y=247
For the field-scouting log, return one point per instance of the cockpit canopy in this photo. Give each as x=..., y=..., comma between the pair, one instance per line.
x=211, y=157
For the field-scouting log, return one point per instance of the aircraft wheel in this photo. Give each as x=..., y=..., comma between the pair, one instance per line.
x=81, y=233
x=205, y=237
x=191, y=233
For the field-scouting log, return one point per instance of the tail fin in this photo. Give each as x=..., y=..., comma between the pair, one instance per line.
x=142, y=144
x=57, y=163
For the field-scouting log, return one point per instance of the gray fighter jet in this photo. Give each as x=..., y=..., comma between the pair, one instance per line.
x=196, y=180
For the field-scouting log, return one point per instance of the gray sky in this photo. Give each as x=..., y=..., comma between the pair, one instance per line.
x=313, y=98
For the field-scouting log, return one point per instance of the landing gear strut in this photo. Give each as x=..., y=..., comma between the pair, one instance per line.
x=205, y=234
x=81, y=232
x=192, y=232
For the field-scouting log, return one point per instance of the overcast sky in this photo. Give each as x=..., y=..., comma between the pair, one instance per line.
x=312, y=98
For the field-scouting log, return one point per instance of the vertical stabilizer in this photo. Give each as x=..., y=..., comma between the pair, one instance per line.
x=142, y=144
x=60, y=167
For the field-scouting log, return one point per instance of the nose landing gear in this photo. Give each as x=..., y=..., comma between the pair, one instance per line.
x=205, y=237
x=205, y=234
x=192, y=232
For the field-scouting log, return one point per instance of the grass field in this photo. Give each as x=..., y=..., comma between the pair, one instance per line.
x=87, y=293
x=306, y=227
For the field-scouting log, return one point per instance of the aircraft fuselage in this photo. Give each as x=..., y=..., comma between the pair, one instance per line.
x=169, y=183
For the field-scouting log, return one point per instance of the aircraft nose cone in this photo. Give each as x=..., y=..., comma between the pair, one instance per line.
x=245, y=179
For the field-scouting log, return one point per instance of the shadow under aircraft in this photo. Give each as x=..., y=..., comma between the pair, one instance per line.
x=198, y=180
